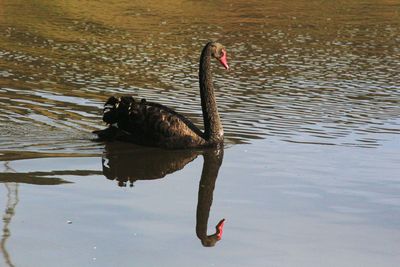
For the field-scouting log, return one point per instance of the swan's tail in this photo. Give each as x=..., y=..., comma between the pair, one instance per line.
x=124, y=111
x=122, y=114
x=118, y=109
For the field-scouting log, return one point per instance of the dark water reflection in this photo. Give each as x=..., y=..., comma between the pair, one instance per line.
x=127, y=165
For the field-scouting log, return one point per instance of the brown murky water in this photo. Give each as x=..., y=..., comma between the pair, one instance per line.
x=310, y=108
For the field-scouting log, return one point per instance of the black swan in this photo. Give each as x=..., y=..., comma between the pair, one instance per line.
x=152, y=124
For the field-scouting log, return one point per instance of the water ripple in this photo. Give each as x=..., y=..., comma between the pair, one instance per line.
x=327, y=80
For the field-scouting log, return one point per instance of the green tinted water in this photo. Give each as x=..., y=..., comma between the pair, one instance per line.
x=310, y=108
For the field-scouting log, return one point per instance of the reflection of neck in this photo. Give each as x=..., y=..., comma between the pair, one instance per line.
x=211, y=165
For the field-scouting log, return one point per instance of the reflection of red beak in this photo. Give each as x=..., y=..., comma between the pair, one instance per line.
x=223, y=60
x=220, y=229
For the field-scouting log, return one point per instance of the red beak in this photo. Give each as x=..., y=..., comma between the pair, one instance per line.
x=220, y=229
x=223, y=60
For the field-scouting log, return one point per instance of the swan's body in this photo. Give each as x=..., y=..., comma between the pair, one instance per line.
x=152, y=124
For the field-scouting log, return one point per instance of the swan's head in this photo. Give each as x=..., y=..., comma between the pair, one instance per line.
x=219, y=52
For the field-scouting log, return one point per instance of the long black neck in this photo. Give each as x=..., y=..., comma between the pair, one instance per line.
x=213, y=131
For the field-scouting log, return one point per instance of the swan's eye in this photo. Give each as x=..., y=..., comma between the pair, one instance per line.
x=221, y=54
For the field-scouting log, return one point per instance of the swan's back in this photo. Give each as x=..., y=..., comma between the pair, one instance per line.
x=147, y=123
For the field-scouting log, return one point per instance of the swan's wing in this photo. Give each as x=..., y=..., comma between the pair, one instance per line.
x=171, y=116
x=151, y=123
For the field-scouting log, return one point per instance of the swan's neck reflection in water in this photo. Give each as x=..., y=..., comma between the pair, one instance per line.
x=128, y=163
x=212, y=162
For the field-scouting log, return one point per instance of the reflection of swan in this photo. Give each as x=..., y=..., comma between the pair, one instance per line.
x=130, y=163
x=152, y=124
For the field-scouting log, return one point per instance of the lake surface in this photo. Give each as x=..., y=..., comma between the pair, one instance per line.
x=309, y=175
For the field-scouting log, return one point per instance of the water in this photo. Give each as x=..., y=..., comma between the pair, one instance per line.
x=310, y=108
